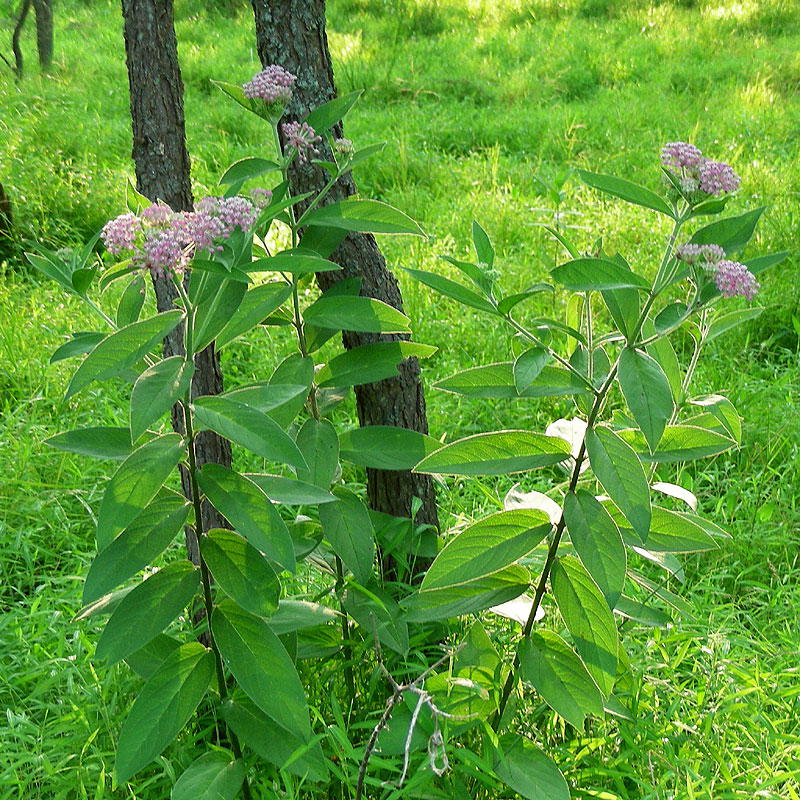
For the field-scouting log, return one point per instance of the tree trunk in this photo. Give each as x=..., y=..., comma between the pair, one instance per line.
x=291, y=33
x=162, y=173
x=44, y=32
x=23, y=15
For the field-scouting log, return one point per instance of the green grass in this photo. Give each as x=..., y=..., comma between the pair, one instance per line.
x=474, y=99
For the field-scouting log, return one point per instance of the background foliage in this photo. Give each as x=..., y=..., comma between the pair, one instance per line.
x=475, y=101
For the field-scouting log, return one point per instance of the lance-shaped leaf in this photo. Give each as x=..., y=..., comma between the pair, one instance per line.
x=214, y=313
x=262, y=667
x=644, y=614
x=294, y=370
x=135, y=483
x=520, y=764
x=250, y=428
x=678, y=443
x=256, y=306
x=348, y=528
x=111, y=443
x=242, y=572
x=671, y=532
x=131, y=302
x=146, y=660
x=121, y=350
x=588, y=618
x=386, y=447
x=213, y=776
x=352, y=313
x=370, y=363
x=246, y=168
x=497, y=381
x=163, y=707
x=597, y=274
x=366, y=216
x=319, y=445
x=296, y=262
x=647, y=392
x=723, y=411
x=631, y=192
x=560, y=677
x=487, y=547
x=500, y=453
x=249, y=511
x=138, y=545
x=147, y=610
x=80, y=344
x=290, y=491
x=731, y=234
x=156, y=390
x=598, y=542
x=617, y=467
x=725, y=322
x=467, y=598
x=328, y=114
x=453, y=290
x=529, y=366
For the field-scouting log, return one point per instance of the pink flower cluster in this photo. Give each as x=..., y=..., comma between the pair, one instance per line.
x=163, y=242
x=697, y=174
x=272, y=85
x=707, y=255
x=734, y=279
x=302, y=137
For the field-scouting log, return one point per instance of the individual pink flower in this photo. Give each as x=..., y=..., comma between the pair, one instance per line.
x=734, y=279
x=273, y=84
x=302, y=137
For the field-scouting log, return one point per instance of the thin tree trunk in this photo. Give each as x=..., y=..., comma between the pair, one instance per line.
x=162, y=173
x=292, y=33
x=23, y=15
x=44, y=32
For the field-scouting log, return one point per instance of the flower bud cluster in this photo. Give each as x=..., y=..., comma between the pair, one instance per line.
x=272, y=85
x=302, y=137
x=697, y=175
x=730, y=277
x=163, y=242
x=704, y=255
x=343, y=147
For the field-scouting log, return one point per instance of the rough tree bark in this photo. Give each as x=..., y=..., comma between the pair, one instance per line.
x=44, y=31
x=292, y=33
x=163, y=173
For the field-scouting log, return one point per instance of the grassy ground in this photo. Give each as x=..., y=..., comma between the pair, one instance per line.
x=475, y=99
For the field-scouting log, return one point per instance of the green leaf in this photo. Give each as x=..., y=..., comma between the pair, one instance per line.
x=505, y=305
x=295, y=262
x=467, y=598
x=527, y=770
x=496, y=381
x=679, y=443
x=366, y=216
x=370, y=363
x=560, y=677
x=147, y=610
x=256, y=305
x=597, y=274
x=348, y=313
x=294, y=370
x=138, y=545
x=529, y=366
x=246, y=168
x=500, y=453
x=213, y=776
x=135, y=484
x=121, y=350
x=647, y=392
x=348, y=528
x=617, y=467
x=268, y=111
x=630, y=192
x=598, y=543
x=487, y=547
x=623, y=305
x=242, y=572
x=146, y=660
x=673, y=532
x=319, y=445
x=386, y=447
x=483, y=247
x=662, y=351
x=249, y=511
x=588, y=618
x=55, y=270
x=214, y=314
x=248, y=427
x=262, y=667
x=732, y=233
x=290, y=491
x=111, y=443
x=639, y=612
x=758, y=264
x=328, y=114
x=297, y=615
x=163, y=707
x=267, y=397
x=131, y=302
x=725, y=322
x=451, y=289
x=273, y=743
x=376, y=611
x=723, y=411
x=80, y=344
x=156, y=390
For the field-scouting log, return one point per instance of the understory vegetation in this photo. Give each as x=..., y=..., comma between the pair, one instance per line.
x=486, y=108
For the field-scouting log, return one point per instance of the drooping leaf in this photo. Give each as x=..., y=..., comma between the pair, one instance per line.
x=451, y=289
x=80, y=344
x=163, y=707
x=623, y=305
x=560, y=677
x=366, y=216
x=588, y=618
x=520, y=764
x=111, y=443
x=510, y=301
x=352, y=313
x=597, y=274
x=262, y=667
x=647, y=392
x=135, y=483
x=213, y=776
x=319, y=444
x=242, y=572
x=723, y=411
x=630, y=192
x=257, y=304
x=122, y=349
x=156, y=390
x=249, y=511
x=500, y=453
x=486, y=547
x=348, y=528
x=147, y=610
x=370, y=363
x=386, y=447
x=619, y=470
